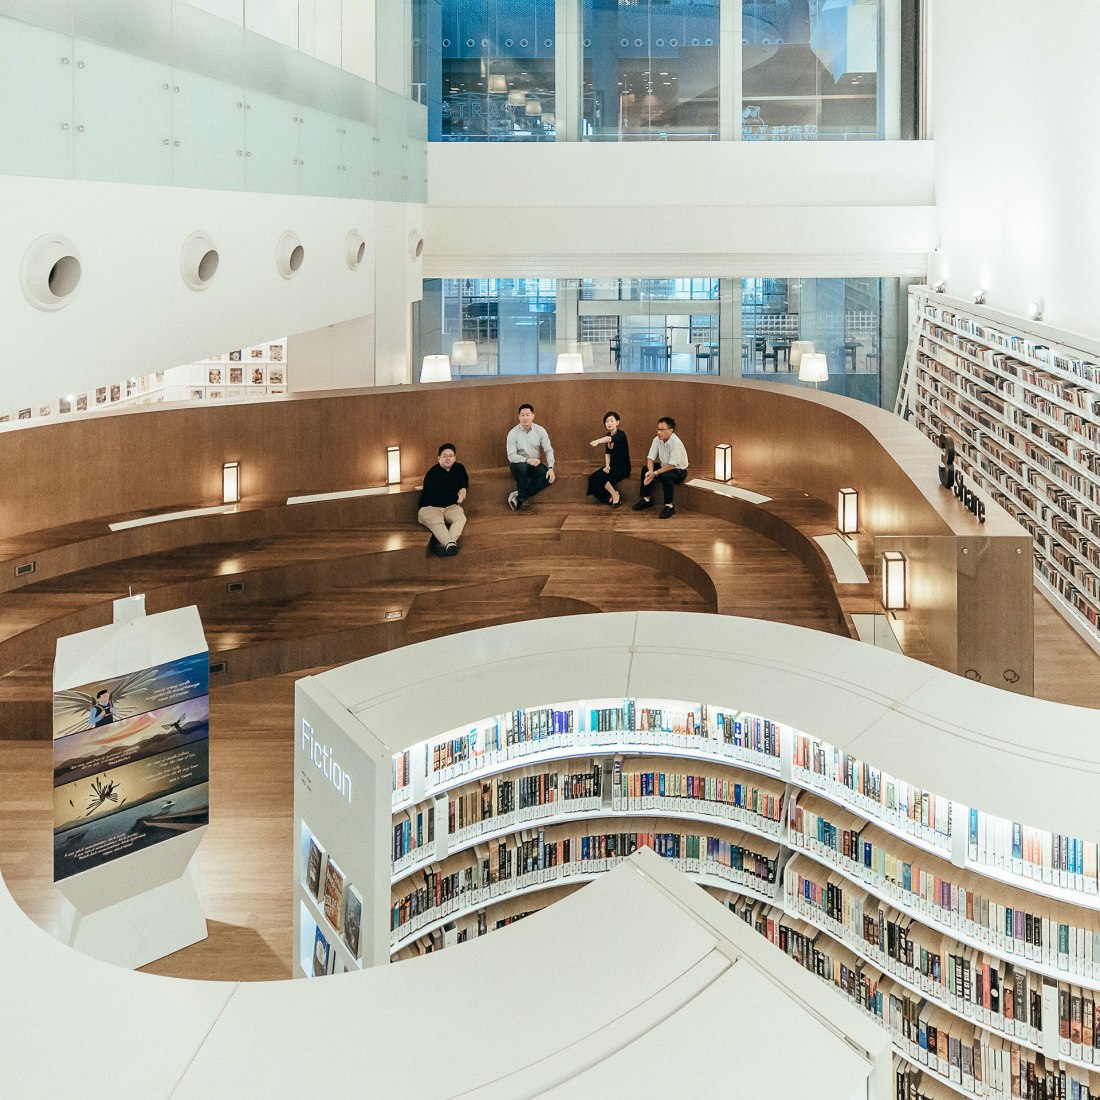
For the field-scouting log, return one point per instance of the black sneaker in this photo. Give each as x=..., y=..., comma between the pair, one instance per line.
x=642, y=505
x=523, y=506
x=451, y=549
x=667, y=512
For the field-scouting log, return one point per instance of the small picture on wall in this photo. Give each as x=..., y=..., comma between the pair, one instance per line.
x=236, y=376
x=131, y=386
x=234, y=357
x=82, y=403
x=116, y=392
x=235, y=392
x=257, y=376
x=198, y=395
x=214, y=376
x=64, y=406
x=277, y=389
x=160, y=377
x=45, y=410
x=101, y=395
x=214, y=393
x=256, y=353
x=275, y=376
x=276, y=353
x=24, y=414
x=5, y=418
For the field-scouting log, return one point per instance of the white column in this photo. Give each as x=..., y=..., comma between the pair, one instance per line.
x=729, y=328
x=568, y=69
x=890, y=79
x=729, y=71
x=566, y=321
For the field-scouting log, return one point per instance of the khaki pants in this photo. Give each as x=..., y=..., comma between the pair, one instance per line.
x=445, y=523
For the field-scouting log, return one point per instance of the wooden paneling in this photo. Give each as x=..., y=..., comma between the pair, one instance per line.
x=137, y=461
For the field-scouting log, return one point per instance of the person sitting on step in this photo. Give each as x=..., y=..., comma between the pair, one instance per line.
x=445, y=486
x=667, y=449
x=528, y=444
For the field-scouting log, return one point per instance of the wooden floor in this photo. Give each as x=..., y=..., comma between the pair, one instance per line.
x=245, y=860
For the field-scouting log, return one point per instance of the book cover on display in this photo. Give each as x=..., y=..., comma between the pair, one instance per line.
x=334, y=895
x=315, y=861
x=322, y=950
x=353, y=919
x=130, y=762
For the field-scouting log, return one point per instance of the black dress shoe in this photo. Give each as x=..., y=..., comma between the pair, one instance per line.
x=642, y=505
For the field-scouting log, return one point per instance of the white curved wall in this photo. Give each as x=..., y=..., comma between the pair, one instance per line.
x=133, y=314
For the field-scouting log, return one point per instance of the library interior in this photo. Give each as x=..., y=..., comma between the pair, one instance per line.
x=576, y=522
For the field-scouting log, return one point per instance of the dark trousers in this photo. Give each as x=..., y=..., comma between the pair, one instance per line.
x=529, y=479
x=668, y=480
x=597, y=485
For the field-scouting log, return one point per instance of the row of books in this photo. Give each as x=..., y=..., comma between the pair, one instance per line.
x=1053, y=858
x=1015, y=429
x=978, y=1063
x=1019, y=344
x=1005, y=918
x=413, y=835
x=514, y=863
x=682, y=723
x=341, y=904
x=526, y=731
x=759, y=804
x=501, y=803
x=910, y=808
x=1001, y=996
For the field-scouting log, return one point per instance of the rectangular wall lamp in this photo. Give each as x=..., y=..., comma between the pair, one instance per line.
x=393, y=465
x=231, y=483
x=723, y=462
x=894, y=580
x=847, y=511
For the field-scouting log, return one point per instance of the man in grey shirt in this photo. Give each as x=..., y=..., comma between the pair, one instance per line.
x=528, y=446
x=666, y=463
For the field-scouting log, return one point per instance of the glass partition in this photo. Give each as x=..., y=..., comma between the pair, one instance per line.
x=855, y=327
x=811, y=70
x=495, y=71
x=783, y=320
x=650, y=69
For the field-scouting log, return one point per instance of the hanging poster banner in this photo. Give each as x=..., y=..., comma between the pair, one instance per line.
x=130, y=762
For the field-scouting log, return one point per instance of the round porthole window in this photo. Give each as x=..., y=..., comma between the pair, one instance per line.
x=355, y=249
x=416, y=245
x=198, y=260
x=289, y=254
x=50, y=272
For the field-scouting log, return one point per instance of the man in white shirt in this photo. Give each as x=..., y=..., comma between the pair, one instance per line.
x=528, y=446
x=667, y=463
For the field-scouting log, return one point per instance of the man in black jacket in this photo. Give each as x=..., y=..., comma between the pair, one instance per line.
x=445, y=486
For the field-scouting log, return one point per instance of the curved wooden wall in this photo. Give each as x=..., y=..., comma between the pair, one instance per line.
x=972, y=583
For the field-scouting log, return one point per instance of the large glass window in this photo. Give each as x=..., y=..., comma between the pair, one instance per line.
x=650, y=69
x=784, y=319
x=811, y=70
x=672, y=326
x=496, y=71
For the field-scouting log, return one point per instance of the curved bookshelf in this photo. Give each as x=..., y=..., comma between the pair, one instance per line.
x=857, y=809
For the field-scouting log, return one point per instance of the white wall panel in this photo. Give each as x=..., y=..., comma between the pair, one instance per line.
x=1015, y=102
x=680, y=208
x=132, y=313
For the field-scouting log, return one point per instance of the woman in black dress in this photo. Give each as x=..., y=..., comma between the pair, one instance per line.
x=616, y=463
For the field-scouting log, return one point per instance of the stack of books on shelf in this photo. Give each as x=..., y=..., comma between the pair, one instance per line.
x=1026, y=420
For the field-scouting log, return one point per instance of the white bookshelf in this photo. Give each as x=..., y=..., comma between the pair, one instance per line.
x=1023, y=406
x=838, y=741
